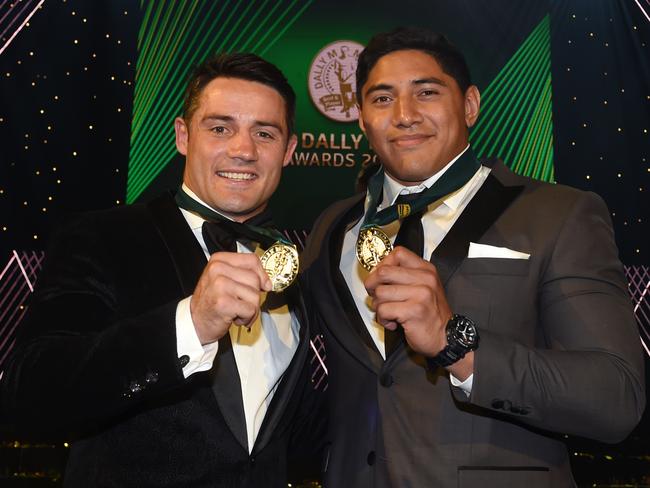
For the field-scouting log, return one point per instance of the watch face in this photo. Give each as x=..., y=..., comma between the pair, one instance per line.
x=464, y=332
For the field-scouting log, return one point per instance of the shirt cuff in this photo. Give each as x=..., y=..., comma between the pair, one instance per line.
x=466, y=385
x=188, y=344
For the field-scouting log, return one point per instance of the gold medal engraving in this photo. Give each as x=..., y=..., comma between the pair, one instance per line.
x=280, y=261
x=373, y=245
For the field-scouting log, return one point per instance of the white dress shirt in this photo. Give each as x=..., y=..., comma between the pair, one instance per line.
x=436, y=222
x=262, y=353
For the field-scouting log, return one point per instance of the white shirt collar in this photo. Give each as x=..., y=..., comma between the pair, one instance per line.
x=392, y=189
x=193, y=219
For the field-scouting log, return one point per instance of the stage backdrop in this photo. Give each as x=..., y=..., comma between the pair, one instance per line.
x=89, y=91
x=317, y=45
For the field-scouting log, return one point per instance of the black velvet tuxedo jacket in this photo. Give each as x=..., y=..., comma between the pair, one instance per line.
x=559, y=351
x=97, y=356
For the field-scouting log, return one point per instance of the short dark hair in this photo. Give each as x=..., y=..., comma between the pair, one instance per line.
x=244, y=66
x=451, y=60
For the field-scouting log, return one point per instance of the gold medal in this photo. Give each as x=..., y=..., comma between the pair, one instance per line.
x=280, y=261
x=373, y=245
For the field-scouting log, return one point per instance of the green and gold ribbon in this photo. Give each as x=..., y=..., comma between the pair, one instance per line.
x=454, y=178
x=265, y=236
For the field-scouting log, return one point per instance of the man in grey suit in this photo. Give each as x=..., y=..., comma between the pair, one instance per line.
x=499, y=321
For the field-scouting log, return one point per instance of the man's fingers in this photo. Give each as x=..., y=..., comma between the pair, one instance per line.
x=401, y=293
x=223, y=296
x=241, y=292
x=401, y=256
x=243, y=261
x=229, y=275
x=245, y=313
x=390, y=325
x=397, y=312
x=386, y=274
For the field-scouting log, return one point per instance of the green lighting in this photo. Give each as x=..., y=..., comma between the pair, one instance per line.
x=516, y=123
x=173, y=37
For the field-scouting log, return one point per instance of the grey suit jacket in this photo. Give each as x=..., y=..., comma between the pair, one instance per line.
x=559, y=350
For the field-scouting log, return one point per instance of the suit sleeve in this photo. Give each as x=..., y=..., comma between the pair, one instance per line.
x=81, y=356
x=588, y=378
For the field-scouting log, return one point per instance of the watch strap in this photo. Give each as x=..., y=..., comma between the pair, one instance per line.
x=454, y=351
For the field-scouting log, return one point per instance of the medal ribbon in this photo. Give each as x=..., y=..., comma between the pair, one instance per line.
x=265, y=236
x=454, y=178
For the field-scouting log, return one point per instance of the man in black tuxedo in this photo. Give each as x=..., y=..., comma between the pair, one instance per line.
x=501, y=318
x=153, y=337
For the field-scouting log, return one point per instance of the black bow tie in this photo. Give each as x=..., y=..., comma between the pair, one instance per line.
x=222, y=235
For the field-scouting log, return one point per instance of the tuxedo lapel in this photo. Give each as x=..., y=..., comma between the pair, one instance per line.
x=189, y=261
x=227, y=390
x=343, y=317
x=480, y=214
x=184, y=250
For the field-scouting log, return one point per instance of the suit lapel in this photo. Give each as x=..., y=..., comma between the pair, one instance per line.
x=227, y=390
x=189, y=261
x=184, y=250
x=480, y=214
x=343, y=317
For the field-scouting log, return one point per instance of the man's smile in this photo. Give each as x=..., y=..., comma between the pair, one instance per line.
x=237, y=175
x=410, y=140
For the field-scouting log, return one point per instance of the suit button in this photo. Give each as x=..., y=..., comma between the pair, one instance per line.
x=520, y=410
x=252, y=461
x=183, y=360
x=371, y=458
x=386, y=380
x=498, y=404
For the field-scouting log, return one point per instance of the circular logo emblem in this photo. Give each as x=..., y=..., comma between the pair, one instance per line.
x=332, y=82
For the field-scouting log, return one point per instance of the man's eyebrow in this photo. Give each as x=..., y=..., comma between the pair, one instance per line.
x=228, y=118
x=420, y=81
x=378, y=87
x=263, y=123
x=430, y=80
x=225, y=118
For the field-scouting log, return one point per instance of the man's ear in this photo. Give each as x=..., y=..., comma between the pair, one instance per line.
x=291, y=147
x=361, y=126
x=472, y=105
x=182, y=135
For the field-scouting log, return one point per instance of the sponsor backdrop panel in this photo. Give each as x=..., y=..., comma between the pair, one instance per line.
x=318, y=53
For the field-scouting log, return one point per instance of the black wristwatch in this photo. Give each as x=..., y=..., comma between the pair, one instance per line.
x=462, y=337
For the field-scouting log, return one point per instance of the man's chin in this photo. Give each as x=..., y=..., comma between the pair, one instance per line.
x=411, y=174
x=242, y=212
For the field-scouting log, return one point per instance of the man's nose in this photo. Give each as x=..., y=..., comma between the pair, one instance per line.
x=406, y=112
x=242, y=146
